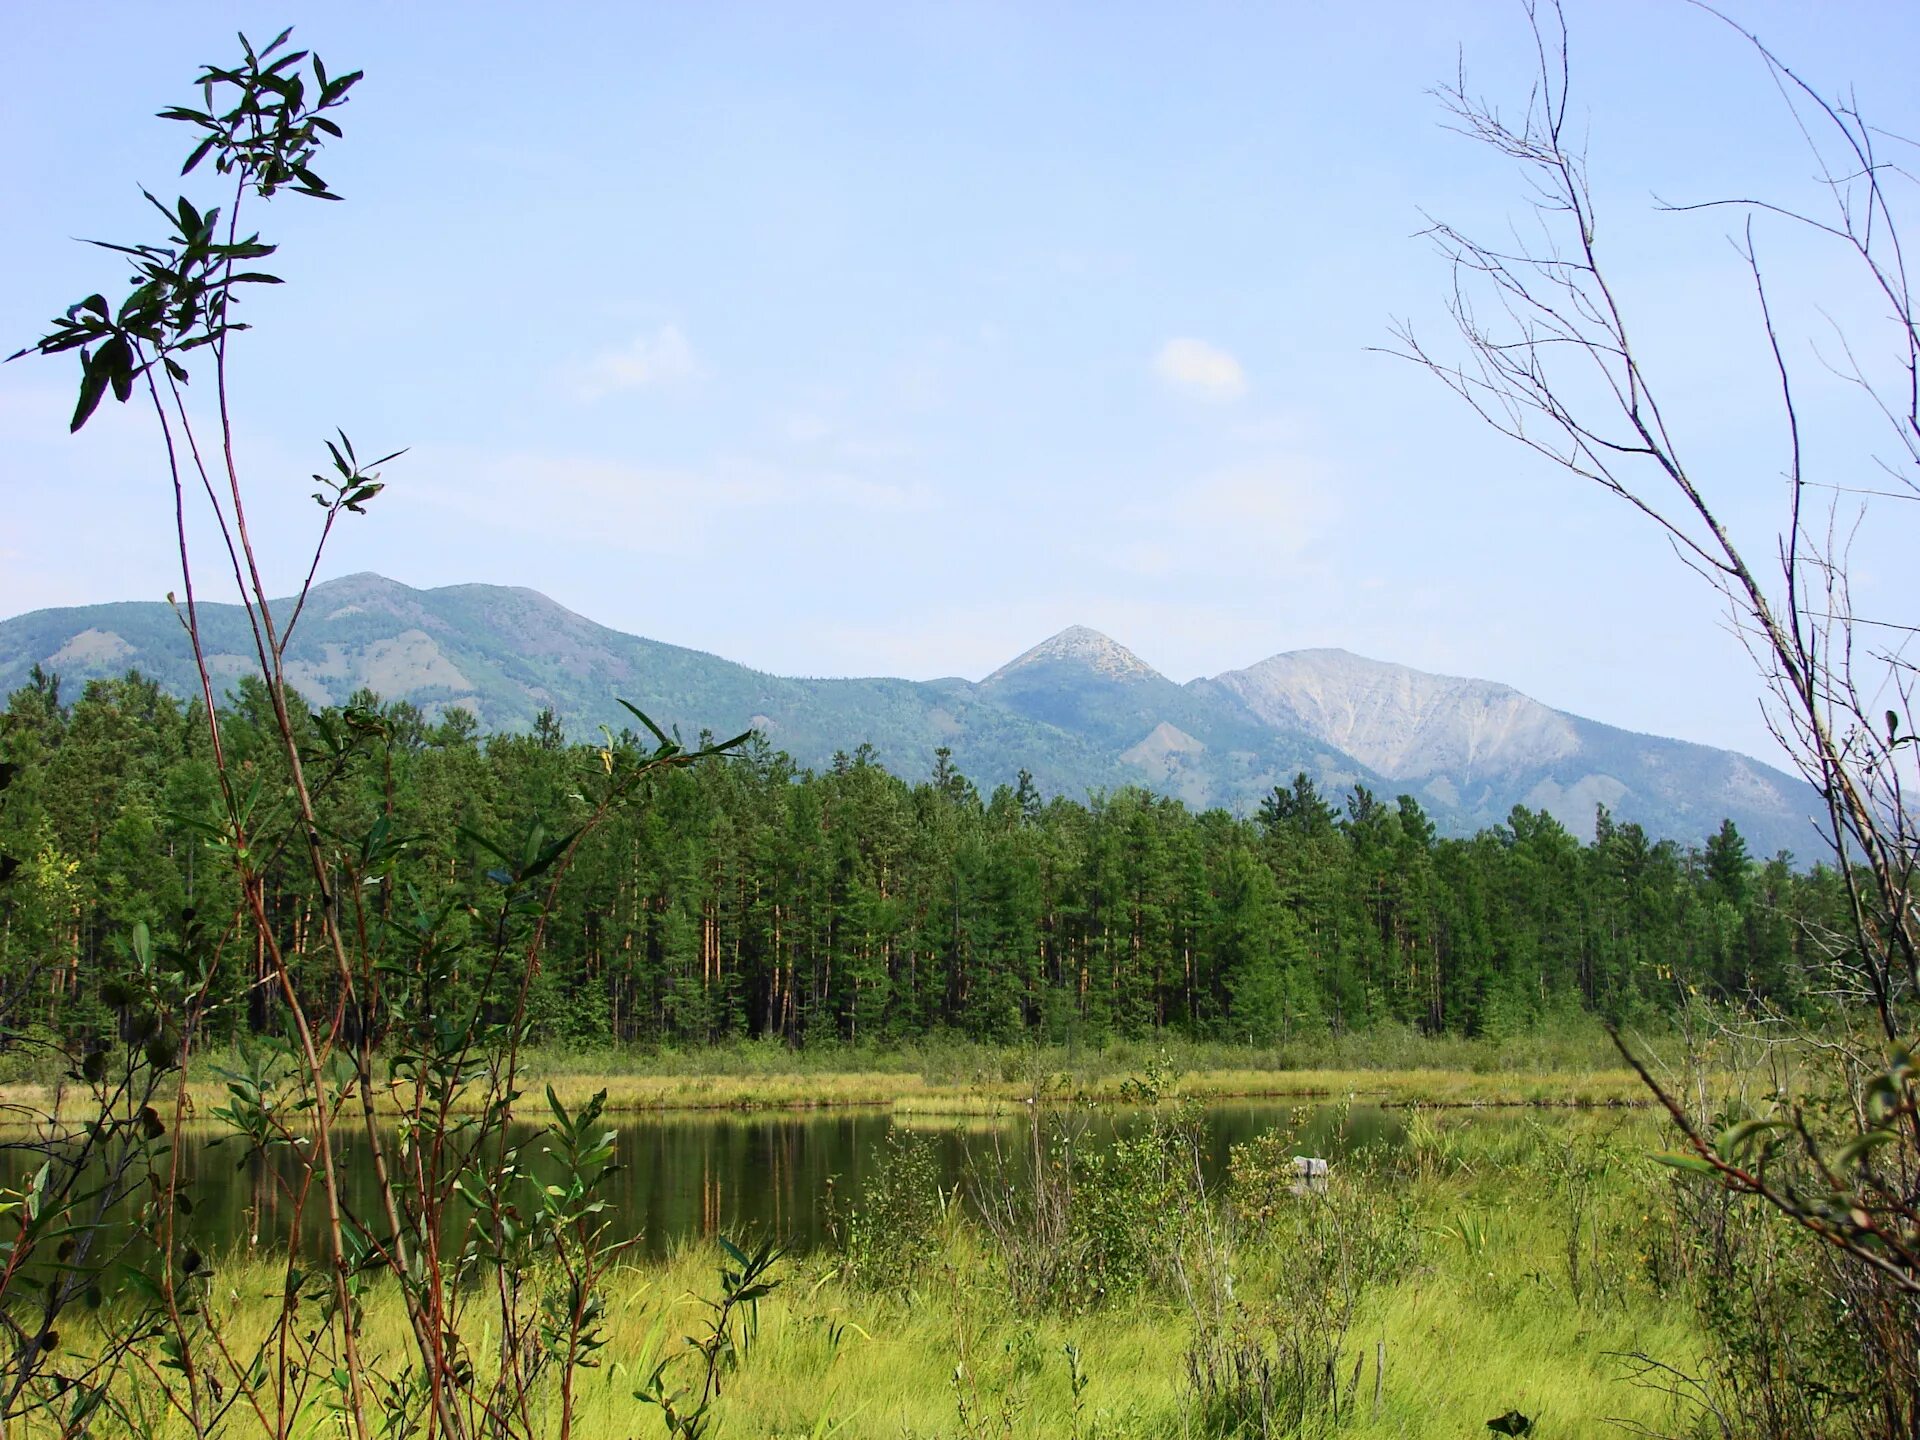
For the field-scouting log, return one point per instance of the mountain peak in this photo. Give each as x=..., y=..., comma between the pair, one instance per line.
x=1086, y=649
x=361, y=582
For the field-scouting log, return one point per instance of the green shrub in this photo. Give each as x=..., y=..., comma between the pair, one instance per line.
x=1279, y=1364
x=891, y=1238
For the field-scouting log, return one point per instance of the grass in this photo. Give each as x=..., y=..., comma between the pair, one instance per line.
x=1470, y=1330
x=1575, y=1065
x=1478, y=1316
x=911, y=1094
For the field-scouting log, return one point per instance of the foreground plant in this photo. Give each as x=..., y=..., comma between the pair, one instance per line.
x=378, y=997
x=731, y=1326
x=1551, y=360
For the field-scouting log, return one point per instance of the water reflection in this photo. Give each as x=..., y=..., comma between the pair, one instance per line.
x=694, y=1176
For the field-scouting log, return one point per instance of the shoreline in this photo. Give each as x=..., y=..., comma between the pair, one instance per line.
x=908, y=1093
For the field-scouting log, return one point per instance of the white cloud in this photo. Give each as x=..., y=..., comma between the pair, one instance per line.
x=1193, y=367
x=806, y=428
x=661, y=358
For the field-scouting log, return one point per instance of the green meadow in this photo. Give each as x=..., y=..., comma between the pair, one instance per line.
x=1499, y=1259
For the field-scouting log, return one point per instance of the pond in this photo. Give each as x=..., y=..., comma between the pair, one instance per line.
x=764, y=1173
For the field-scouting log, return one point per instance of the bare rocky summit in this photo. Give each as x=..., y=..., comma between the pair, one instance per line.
x=1084, y=648
x=1404, y=723
x=1475, y=748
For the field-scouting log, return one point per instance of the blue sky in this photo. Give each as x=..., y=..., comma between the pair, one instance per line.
x=892, y=339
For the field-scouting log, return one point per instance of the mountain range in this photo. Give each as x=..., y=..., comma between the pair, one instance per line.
x=1079, y=710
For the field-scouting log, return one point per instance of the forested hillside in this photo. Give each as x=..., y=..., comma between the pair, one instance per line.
x=748, y=897
x=1079, y=711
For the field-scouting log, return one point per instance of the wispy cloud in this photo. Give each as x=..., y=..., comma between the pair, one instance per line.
x=1196, y=368
x=661, y=358
x=817, y=438
x=1286, y=502
x=1280, y=509
x=646, y=508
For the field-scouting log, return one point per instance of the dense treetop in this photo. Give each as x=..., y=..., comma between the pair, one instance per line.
x=749, y=897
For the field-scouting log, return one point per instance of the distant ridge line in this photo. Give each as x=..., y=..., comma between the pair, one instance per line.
x=1079, y=711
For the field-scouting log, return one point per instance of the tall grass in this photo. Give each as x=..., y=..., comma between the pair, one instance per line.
x=1476, y=1314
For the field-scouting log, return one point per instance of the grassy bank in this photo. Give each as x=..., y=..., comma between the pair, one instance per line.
x=1576, y=1066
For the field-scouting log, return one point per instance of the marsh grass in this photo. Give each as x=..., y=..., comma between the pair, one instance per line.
x=1574, y=1065
x=911, y=1096
x=1475, y=1311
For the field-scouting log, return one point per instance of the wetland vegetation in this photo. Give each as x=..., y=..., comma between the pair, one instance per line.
x=423, y=987
x=1170, y=1282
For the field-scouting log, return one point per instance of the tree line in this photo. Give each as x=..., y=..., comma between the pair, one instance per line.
x=749, y=897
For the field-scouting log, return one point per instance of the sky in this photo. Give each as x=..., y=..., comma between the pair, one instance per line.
x=878, y=339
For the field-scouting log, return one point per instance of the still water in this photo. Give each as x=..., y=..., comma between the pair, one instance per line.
x=690, y=1177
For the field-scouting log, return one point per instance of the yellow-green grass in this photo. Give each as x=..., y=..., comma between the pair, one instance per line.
x=1470, y=1330
x=1576, y=1067
x=914, y=1094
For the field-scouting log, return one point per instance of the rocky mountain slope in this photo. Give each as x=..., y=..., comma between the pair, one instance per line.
x=1078, y=710
x=1178, y=739
x=1474, y=748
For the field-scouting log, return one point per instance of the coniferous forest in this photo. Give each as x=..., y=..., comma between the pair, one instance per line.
x=750, y=898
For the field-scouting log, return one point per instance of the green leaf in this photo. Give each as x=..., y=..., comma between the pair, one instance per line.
x=162, y=1050
x=544, y=860
x=93, y=388
x=640, y=715
x=119, y=355
x=199, y=151
x=145, y=1284
x=1680, y=1161
x=1857, y=1150
x=476, y=838
x=1733, y=1141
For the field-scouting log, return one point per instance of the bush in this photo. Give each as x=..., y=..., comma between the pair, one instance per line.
x=892, y=1237
x=1279, y=1365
